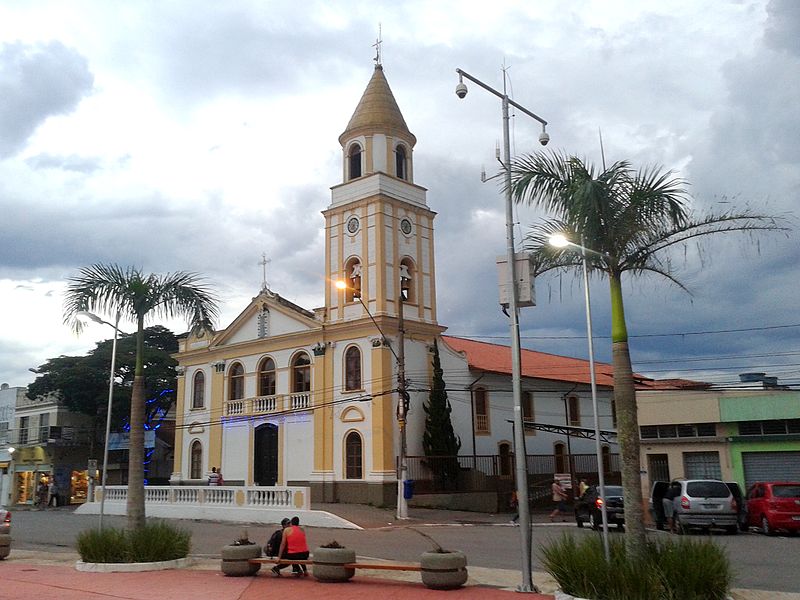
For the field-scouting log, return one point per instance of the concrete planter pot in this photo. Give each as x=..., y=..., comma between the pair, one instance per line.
x=329, y=564
x=443, y=570
x=5, y=545
x=234, y=559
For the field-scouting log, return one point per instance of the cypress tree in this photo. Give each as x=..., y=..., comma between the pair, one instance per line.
x=439, y=438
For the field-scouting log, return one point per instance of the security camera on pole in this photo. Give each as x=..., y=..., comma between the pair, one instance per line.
x=519, y=433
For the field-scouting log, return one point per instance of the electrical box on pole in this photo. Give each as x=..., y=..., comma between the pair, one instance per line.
x=526, y=292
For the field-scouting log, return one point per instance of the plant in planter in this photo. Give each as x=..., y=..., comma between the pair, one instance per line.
x=442, y=569
x=329, y=561
x=155, y=542
x=236, y=557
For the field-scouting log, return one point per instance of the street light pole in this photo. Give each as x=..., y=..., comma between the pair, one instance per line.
x=561, y=241
x=516, y=370
x=115, y=326
x=402, y=402
x=402, y=407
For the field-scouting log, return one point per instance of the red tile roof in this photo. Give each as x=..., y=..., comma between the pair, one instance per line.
x=497, y=359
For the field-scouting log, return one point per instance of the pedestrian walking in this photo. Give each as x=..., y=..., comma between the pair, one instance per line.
x=560, y=500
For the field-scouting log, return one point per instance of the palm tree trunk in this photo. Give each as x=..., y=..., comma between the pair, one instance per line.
x=135, y=503
x=627, y=425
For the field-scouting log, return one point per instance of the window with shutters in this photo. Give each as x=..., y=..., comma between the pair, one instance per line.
x=481, y=412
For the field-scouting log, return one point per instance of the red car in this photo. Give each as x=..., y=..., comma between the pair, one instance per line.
x=774, y=505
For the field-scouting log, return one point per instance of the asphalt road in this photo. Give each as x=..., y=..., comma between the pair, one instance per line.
x=760, y=562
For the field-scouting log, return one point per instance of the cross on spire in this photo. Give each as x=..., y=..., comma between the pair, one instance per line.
x=264, y=262
x=377, y=46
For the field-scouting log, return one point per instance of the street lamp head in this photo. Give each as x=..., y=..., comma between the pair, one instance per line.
x=461, y=88
x=341, y=285
x=544, y=138
x=559, y=240
x=11, y=449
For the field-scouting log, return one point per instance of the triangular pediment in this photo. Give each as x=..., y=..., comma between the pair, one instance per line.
x=268, y=315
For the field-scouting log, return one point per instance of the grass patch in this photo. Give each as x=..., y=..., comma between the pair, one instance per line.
x=154, y=542
x=683, y=569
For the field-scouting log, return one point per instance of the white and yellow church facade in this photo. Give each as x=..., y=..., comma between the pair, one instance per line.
x=289, y=396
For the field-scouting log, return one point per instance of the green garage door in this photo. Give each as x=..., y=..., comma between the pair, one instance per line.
x=770, y=466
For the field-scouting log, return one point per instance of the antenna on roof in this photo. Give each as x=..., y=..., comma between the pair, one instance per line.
x=377, y=46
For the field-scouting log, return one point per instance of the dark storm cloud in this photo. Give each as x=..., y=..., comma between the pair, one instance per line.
x=36, y=82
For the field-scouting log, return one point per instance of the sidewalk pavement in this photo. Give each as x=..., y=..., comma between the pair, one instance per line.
x=25, y=574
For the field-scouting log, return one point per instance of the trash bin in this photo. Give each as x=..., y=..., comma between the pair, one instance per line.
x=408, y=489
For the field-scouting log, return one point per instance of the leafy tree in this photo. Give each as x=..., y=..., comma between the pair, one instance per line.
x=112, y=290
x=439, y=438
x=82, y=381
x=631, y=219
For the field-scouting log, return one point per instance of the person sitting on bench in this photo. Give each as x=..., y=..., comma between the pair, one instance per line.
x=293, y=545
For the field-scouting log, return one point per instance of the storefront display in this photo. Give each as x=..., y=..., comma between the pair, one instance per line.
x=79, y=487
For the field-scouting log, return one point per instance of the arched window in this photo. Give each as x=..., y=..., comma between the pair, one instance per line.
x=606, y=459
x=354, y=161
x=481, y=411
x=407, y=272
x=199, y=390
x=352, y=369
x=352, y=271
x=236, y=382
x=504, y=450
x=354, y=456
x=196, y=466
x=401, y=167
x=560, y=454
x=301, y=373
x=574, y=414
x=266, y=377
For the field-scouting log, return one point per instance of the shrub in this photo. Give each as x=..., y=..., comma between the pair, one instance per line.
x=684, y=569
x=152, y=543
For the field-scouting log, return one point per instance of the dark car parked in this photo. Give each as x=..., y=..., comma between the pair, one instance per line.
x=588, y=508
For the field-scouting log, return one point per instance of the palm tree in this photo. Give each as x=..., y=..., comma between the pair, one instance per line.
x=112, y=290
x=631, y=219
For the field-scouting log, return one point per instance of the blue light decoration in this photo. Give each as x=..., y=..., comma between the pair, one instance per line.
x=156, y=409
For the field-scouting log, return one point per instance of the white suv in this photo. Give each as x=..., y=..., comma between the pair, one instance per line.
x=703, y=503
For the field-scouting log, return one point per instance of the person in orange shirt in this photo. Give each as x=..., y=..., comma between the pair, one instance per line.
x=293, y=545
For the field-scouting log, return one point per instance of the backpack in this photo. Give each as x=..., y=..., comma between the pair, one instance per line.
x=274, y=543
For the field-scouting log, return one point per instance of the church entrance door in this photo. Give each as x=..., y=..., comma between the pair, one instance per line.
x=265, y=461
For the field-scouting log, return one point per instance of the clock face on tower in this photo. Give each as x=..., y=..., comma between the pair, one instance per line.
x=405, y=226
x=352, y=224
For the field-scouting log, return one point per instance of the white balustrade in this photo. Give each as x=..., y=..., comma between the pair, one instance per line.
x=234, y=407
x=300, y=401
x=265, y=404
x=282, y=497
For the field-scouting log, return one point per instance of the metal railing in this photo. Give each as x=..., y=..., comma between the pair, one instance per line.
x=494, y=473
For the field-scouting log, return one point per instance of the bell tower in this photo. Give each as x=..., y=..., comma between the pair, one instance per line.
x=379, y=229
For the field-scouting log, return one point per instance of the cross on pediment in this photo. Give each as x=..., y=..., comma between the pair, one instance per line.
x=264, y=262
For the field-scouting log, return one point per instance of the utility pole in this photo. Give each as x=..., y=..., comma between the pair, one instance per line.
x=402, y=409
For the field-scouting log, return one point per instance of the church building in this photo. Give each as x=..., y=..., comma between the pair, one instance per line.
x=289, y=396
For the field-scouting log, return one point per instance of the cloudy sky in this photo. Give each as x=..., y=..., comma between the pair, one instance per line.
x=197, y=135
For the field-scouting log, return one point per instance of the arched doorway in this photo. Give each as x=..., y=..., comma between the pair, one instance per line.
x=265, y=459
